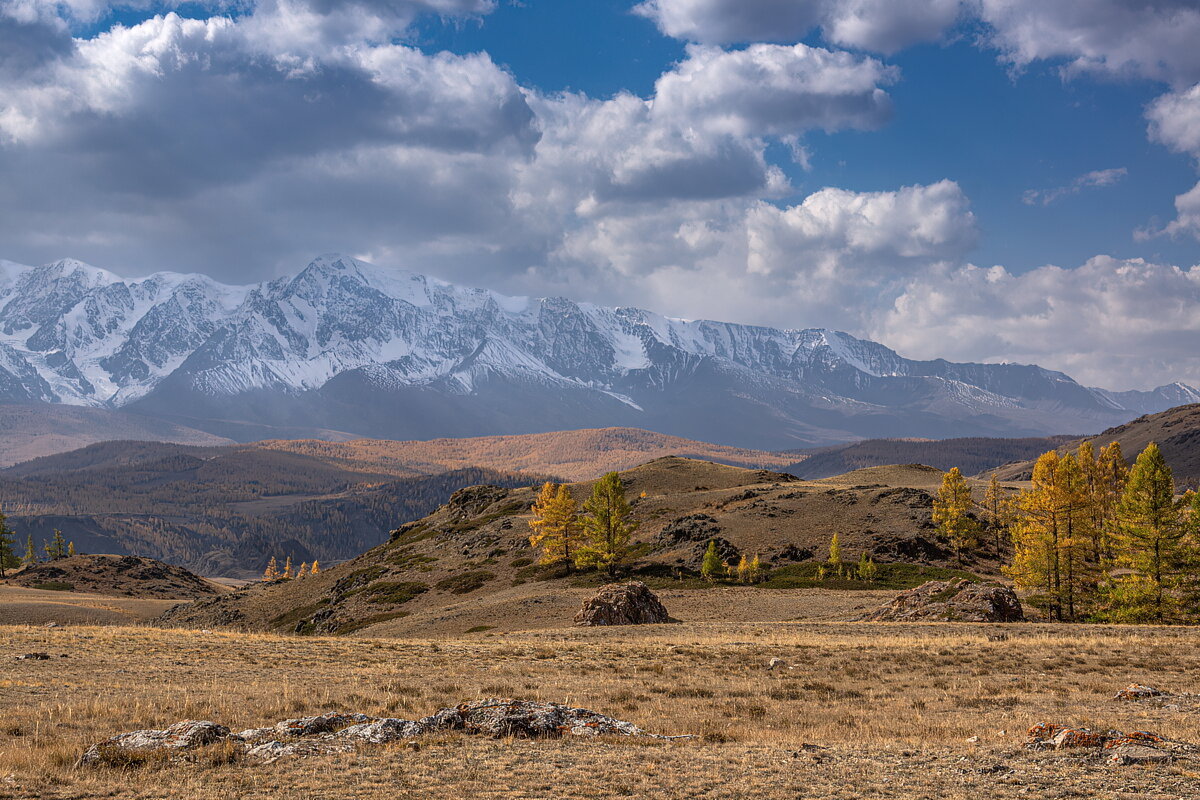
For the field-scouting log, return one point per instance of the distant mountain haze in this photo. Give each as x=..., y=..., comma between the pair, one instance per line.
x=346, y=349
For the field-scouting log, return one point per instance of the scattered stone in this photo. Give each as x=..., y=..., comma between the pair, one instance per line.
x=1136, y=691
x=51, y=625
x=1138, y=754
x=34, y=657
x=973, y=740
x=186, y=735
x=340, y=732
x=692, y=528
x=775, y=663
x=622, y=604
x=952, y=601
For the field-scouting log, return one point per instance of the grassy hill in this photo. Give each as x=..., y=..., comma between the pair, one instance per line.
x=469, y=563
x=1177, y=432
x=971, y=455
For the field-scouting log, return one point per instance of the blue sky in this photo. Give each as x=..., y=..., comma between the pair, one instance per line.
x=901, y=169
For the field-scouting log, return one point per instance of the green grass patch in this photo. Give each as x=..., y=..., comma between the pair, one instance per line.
x=394, y=592
x=290, y=618
x=55, y=586
x=480, y=628
x=408, y=560
x=517, y=563
x=465, y=582
x=895, y=576
x=366, y=622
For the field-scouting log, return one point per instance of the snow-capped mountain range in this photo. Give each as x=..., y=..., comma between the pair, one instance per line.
x=345, y=346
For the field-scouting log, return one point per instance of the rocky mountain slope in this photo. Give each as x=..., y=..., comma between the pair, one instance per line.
x=344, y=346
x=127, y=576
x=470, y=562
x=1177, y=432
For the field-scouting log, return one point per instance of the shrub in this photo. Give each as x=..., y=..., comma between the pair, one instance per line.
x=394, y=592
x=465, y=582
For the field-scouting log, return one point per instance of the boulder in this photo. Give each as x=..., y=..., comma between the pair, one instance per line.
x=1138, y=754
x=622, y=604
x=1136, y=691
x=501, y=718
x=952, y=601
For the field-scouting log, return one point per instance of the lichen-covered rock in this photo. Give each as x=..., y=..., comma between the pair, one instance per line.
x=1138, y=754
x=622, y=604
x=1115, y=747
x=325, y=723
x=500, y=718
x=382, y=731
x=952, y=601
x=186, y=735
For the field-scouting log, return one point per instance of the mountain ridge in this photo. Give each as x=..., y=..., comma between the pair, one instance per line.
x=346, y=346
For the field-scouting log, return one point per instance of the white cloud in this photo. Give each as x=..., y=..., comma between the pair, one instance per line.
x=1095, y=179
x=880, y=25
x=1136, y=38
x=1115, y=323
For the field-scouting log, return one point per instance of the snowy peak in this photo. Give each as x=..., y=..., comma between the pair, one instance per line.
x=73, y=333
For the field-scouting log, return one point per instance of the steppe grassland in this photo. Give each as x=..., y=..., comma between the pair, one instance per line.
x=893, y=704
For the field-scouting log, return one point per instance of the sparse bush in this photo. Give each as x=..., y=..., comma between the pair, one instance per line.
x=465, y=582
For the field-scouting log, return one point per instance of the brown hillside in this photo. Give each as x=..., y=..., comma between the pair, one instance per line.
x=470, y=563
x=575, y=455
x=1176, y=430
x=123, y=576
x=32, y=431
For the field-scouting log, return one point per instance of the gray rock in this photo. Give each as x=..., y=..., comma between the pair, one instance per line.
x=952, y=601
x=186, y=735
x=622, y=604
x=382, y=731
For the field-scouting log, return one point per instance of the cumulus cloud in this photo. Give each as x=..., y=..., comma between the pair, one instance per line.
x=881, y=25
x=1136, y=38
x=1095, y=179
x=1110, y=322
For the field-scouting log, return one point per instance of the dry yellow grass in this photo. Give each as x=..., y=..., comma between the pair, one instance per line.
x=894, y=705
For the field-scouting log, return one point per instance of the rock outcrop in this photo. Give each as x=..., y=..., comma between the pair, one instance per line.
x=127, y=576
x=952, y=601
x=622, y=604
x=341, y=732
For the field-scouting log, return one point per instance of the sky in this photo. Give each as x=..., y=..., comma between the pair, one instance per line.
x=985, y=180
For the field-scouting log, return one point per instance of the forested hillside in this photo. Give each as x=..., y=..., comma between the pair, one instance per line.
x=221, y=511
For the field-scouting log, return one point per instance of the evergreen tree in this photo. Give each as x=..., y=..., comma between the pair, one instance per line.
x=866, y=570
x=994, y=502
x=951, y=514
x=1150, y=539
x=30, y=551
x=56, y=548
x=8, y=556
x=1035, y=534
x=608, y=522
x=710, y=567
x=1113, y=472
x=835, y=554
x=1080, y=572
x=272, y=571
x=555, y=525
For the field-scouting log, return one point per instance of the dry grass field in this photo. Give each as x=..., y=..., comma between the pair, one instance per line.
x=892, y=708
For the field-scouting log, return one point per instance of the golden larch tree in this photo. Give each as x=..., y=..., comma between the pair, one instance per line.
x=951, y=513
x=557, y=531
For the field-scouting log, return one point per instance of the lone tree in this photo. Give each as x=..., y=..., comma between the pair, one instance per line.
x=30, y=551
x=950, y=513
x=710, y=567
x=8, y=556
x=272, y=571
x=835, y=554
x=555, y=525
x=608, y=522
